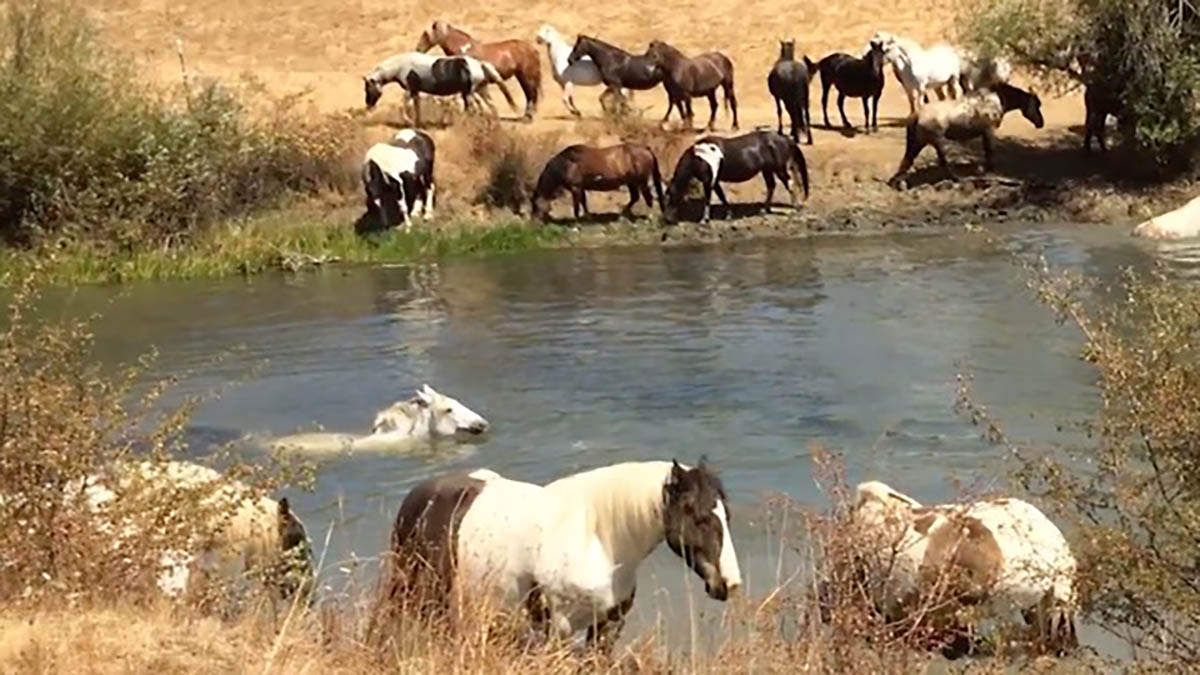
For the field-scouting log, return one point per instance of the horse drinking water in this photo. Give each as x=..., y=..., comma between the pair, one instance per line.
x=582, y=73
x=736, y=160
x=419, y=73
x=788, y=84
x=854, y=77
x=976, y=115
x=397, y=179
x=579, y=168
x=568, y=551
x=687, y=78
x=510, y=58
x=620, y=70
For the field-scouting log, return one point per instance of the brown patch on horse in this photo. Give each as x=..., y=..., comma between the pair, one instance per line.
x=511, y=58
x=964, y=548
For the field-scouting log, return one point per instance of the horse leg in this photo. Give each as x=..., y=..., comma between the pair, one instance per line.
x=721, y=195
x=769, y=178
x=842, y=109
x=712, y=105
x=731, y=100
x=602, y=634
x=708, y=191
x=416, y=104
x=825, y=102
x=940, y=145
x=782, y=174
x=575, y=197
x=779, y=116
x=583, y=201
x=531, y=95
x=646, y=195
x=866, y=100
x=988, y=148
x=569, y=100
x=875, y=111
x=806, y=112
x=633, y=199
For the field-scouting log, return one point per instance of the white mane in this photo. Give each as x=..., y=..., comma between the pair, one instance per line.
x=623, y=501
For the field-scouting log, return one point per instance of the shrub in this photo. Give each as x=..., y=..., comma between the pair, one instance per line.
x=513, y=162
x=85, y=152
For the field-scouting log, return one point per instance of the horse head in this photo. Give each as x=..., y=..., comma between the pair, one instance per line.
x=372, y=92
x=547, y=34
x=1032, y=110
x=583, y=47
x=431, y=412
x=787, y=50
x=439, y=29
x=696, y=526
x=425, y=42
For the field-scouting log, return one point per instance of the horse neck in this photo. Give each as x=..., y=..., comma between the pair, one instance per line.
x=559, y=50
x=456, y=40
x=621, y=505
x=1011, y=98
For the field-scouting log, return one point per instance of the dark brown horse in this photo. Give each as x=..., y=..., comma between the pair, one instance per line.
x=579, y=168
x=687, y=78
x=860, y=77
x=619, y=69
x=511, y=58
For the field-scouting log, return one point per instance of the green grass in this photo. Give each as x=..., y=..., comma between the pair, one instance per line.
x=289, y=240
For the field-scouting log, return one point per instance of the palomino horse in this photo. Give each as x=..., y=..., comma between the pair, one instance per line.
x=247, y=538
x=687, y=78
x=736, y=160
x=788, y=84
x=976, y=115
x=582, y=73
x=398, y=176
x=426, y=415
x=918, y=69
x=568, y=551
x=511, y=58
x=620, y=70
x=1002, y=555
x=419, y=73
x=854, y=77
x=579, y=168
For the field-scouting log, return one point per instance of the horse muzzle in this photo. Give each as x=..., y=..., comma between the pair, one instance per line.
x=475, y=429
x=720, y=590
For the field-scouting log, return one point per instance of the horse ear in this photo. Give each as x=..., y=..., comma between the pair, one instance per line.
x=285, y=508
x=424, y=395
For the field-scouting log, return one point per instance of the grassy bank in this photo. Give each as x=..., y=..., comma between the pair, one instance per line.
x=290, y=239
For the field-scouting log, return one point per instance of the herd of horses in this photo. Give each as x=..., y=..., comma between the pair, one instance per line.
x=567, y=553
x=972, y=96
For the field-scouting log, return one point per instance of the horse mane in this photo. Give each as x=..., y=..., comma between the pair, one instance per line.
x=621, y=501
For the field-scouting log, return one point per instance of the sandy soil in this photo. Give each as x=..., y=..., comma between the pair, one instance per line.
x=322, y=48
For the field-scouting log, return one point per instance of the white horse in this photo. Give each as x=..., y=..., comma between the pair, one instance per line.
x=248, y=538
x=428, y=414
x=1003, y=554
x=1183, y=222
x=568, y=551
x=979, y=72
x=920, y=70
x=582, y=73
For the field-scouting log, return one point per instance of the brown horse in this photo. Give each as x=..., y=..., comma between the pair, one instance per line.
x=510, y=57
x=583, y=167
x=687, y=78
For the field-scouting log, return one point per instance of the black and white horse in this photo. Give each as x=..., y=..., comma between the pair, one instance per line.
x=398, y=178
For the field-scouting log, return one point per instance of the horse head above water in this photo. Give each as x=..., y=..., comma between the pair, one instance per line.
x=429, y=413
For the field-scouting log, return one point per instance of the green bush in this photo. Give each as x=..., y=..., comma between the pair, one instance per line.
x=87, y=150
x=1145, y=52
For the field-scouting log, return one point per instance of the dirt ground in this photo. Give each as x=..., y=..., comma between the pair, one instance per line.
x=321, y=49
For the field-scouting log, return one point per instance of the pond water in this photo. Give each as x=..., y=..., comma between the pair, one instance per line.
x=746, y=353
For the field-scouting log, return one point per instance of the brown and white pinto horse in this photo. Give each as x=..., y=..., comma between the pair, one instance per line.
x=511, y=58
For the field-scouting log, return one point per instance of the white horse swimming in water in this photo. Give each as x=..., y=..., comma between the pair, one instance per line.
x=582, y=73
x=428, y=414
x=1181, y=223
x=568, y=551
x=1002, y=554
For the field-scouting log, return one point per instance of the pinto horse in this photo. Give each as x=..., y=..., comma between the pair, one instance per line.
x=567, y=551
x=788, y=84
x=854, y=77
x=687, y=78
x=418, y=73
x=736, y=160
x=511, y=58
x=579, y=168
x=619, y=69
x=976, y=115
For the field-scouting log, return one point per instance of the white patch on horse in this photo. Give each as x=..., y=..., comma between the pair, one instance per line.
x=405, y=136
x=484, y=474
x=730, y=571
x=395, y=163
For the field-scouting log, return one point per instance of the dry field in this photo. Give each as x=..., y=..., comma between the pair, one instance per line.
x=322, y=49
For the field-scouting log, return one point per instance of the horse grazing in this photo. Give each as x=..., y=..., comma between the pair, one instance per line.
x=919, y=70
x=1002, y=555
x=419, y=73
x=736, y=160
x=245, y=541
x=687, y=78
x=427, y=415
x=567, y=551
x=620, y=70
x=582, y=73
x=788, y=84
x=397, y=180
x=976, y=115
x=579, y=168
x=511, y=58
x=1183, y=222
x=854, y=77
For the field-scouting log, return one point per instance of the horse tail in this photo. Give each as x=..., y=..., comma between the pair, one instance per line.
x=492, y=76
x=798, y=166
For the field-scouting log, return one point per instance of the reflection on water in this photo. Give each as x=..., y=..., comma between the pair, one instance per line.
x=747, y=354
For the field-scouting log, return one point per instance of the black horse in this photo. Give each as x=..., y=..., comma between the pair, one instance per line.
x=860, y=77
x=736, y=160
x=619, y=69
x=788, y=83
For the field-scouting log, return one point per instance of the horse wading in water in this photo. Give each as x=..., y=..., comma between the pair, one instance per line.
x=579, y=168
x=511, y=58
x=568, y=551
x=714, y=159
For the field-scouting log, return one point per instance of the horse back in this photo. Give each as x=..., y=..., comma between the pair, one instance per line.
x=509, y=57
